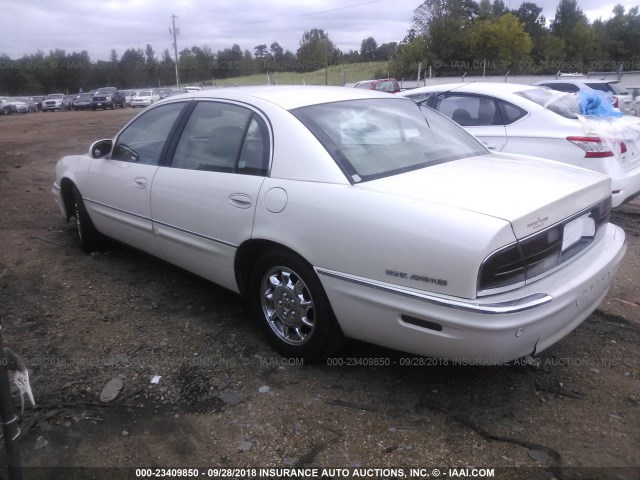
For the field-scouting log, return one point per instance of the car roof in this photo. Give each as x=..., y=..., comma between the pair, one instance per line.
x=577, y=80
x=288, y=96
x=493, y=88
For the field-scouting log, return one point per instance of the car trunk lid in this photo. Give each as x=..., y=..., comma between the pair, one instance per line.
x=528, y=192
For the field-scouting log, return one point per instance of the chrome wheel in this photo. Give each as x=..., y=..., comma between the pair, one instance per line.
x=287, y=305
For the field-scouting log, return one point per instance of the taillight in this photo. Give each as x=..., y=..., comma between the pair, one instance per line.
x=594, y=147
x=615, y=101
x=623, y=147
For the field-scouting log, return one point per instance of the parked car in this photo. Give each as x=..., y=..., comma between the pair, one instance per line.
x=192, y=88
x=389, y=85
x=634, y=92
x=53, y=102
x=7, y=106
x=83, y=102
x=527, y=119
x=345, y=212
x=107, y=97
x=128, y=94
x=34, y=103
x=163, y=92
x=144, y=98
x=621, y=98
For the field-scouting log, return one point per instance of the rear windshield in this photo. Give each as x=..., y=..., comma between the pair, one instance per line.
x=607, y=87
x=376, y=138
x=565, y=104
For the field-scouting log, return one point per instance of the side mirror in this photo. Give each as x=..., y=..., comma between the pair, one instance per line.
x=100, y=148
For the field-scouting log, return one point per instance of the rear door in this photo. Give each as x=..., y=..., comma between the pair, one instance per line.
x=203, y=204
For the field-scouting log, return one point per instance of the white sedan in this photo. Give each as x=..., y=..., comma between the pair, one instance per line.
x=144, y=98
x=532, y=120
x=351, y=213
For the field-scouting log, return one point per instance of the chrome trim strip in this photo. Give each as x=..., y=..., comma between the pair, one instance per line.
x=222, y=242
x=116, y=209
x=512, y=306
x=163, y=224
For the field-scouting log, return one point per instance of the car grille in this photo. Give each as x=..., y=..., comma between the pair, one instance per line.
x=539, y=254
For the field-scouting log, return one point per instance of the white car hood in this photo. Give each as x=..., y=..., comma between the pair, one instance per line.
x=527, y=192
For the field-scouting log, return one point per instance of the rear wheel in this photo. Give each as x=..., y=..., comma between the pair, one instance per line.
x=90, y=239
x=292, y=307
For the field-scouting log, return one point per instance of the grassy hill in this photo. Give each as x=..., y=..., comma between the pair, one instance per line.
x=337, y=75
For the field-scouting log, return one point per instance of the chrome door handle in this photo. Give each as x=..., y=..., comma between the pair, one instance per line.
x=240, y=200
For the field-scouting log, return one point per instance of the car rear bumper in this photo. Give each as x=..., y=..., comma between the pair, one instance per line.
x=626, y=187
x=496, y=329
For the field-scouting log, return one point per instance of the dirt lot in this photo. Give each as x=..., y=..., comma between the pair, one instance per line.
x=225, y=399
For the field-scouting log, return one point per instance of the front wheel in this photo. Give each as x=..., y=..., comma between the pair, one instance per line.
x=6, y=111
x=89, y=237
x=292, y=307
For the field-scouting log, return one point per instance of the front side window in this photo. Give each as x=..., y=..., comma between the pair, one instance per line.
x=376, y=138
x=143, y=140
x=223, y=137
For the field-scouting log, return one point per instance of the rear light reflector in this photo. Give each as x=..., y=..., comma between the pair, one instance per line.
x=594, y=147
x=615, y=101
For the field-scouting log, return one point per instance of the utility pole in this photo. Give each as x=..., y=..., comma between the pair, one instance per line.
x=175, y=32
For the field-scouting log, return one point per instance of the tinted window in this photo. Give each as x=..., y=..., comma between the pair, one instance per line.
x=222, y=137
x=469, y=110
x=376, y=138
x=510, y=112
x=366, y=85
x=562, y=87
x=387, y=86
x=143, y=140
x=606, y=87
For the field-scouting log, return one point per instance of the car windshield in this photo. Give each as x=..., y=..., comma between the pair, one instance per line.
x=377, y=138
x=54, y=96
x=84, y=96
x=144, y=93
x=564, y=104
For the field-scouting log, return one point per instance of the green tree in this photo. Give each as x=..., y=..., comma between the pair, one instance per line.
x=132, y=68
x=315, y=50
x=502, y=42
x=445, y=26
x=368, y=49
x=534, y=23
x=260, y=51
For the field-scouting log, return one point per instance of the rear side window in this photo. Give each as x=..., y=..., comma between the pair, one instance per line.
x=510, y=112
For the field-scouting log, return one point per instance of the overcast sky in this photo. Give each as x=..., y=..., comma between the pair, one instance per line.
x=100, y=25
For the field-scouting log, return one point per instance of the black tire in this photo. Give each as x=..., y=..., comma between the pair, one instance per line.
x=113, y=105
x=89, y=237
x=93, y=108
x=292, y=308
x=6, y=111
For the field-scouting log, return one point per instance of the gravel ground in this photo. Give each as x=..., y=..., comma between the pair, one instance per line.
x=224, y=399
